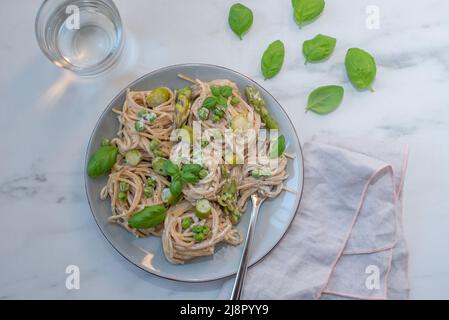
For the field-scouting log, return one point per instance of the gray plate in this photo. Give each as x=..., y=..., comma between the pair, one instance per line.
x=274, y=219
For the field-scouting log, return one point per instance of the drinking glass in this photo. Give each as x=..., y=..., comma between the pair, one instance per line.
x=84, y=36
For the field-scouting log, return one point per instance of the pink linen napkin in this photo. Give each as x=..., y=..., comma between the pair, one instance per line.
x=347, y=239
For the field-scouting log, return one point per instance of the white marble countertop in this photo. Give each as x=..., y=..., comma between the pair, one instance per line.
x=47, y=116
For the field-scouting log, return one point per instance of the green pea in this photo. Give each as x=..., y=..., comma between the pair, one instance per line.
x=197, y=229
x=141, y=113
x=139, y=126
x=150, y=117
x=203, y=113
x=198, y=237
x=235, y=218
x=122, y=196
x=155, y=144
x=186, y=222
x=124, y=186
x=157, y=96
x=148, y=191
x=206, y=230
x=219, y=112
x=235, y=101
x=151, y=182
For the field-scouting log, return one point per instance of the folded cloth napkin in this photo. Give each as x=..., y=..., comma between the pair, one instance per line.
x=347, y=239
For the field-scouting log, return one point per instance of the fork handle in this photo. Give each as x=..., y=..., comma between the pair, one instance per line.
x=243, y=266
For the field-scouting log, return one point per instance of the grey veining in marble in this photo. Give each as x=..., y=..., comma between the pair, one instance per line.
x=47, y=116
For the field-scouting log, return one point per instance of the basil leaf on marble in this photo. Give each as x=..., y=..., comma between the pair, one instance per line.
x=240, y=19
x=273, y=59
x=305, y=11
x=361, y=68
x=318, y=48
x=324, y=100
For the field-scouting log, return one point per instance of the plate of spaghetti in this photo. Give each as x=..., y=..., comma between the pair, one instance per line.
x=173, y=161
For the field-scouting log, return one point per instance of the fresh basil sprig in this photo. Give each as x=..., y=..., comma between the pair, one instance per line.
x=149, y=217
x=190, y=173
x=324, y=100
x=176, y=187
x=318, y=48
x=361, y=68
x=210, y=103
x=222, y=101
x=215, y=91
x=219, y=97
x=240, y=19
x=171, y=168
x=305, y=11
x=273, y=59
x=192, y=168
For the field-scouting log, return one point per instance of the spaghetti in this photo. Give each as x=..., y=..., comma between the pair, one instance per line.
x=222, y=182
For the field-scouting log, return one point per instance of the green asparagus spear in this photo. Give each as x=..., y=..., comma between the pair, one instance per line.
x=256, y=101
x=228, y=198
x=182, y=106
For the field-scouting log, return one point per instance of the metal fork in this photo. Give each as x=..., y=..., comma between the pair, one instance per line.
x=257, y=200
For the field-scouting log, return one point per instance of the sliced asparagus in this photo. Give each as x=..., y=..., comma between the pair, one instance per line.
x=182, y=106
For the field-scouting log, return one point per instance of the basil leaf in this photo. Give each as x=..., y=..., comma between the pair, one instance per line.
x=215, y=91
x=240, y=19
x=305, y=11
x=192, y=168
x=171, y=168
x=210, y=103
x=102, y=161
x=222, y=101
x=318, y=48
x=277, y=147
x=149, y=217
x=190, y=177
x=176, y=187
x=226, y=91
x=361, y=68
x=324, y=100
x=273, y=59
